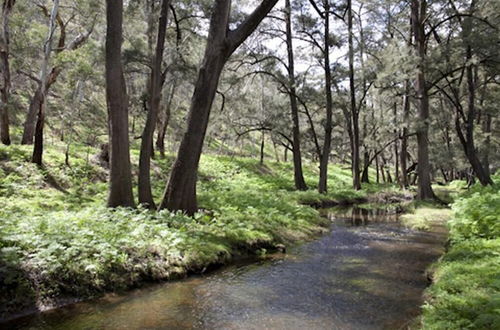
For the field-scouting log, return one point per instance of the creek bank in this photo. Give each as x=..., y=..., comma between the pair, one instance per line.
x=367, y=262
x=40, y=301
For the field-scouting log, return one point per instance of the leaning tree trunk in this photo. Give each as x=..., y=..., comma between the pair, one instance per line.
x=467, y=141
x=325, y=154
x=35, y=104
x=5, y=69
x=180, y=193
x=424, y=191
x=38, y=146
x=155, y=87
x=300, y=183
x=120, y=177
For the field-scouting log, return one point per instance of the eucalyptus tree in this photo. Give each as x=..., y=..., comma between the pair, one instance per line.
x=5, y=70
x=36, y=113
x=120, y=177
x=466, y=57
x=38, y=148
x=155, y=86
x=300, y=183
x=180, y=193
x=418, y=18
x=353, y=106
x=322, y=41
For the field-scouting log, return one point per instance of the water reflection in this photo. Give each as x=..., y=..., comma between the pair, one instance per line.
x=359, y=216
x=367, y=273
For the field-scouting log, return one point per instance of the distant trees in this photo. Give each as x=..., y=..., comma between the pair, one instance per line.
x=331, y=88
x=35, y=117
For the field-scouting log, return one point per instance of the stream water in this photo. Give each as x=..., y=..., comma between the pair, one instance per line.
x=367, y=273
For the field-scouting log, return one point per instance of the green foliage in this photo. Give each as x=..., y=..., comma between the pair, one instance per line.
x=466, y=291
x=59, y=242
x=477, y=215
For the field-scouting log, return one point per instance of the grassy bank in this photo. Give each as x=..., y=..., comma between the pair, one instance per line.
x=465, y=293
x=58, y=241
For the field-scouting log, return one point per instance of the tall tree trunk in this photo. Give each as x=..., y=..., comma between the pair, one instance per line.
x=300, y=183
x=163, y=123
x=38, y=146
x=120, y=177
x=366, y=153
x=5, y=69
x=396, y=145
x=155, y=87
x=418, y=13
x=354, y=110
x=325, y=154
x=404, y=138
x=180, y=193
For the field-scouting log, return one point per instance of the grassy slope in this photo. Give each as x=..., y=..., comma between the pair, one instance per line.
x=63, y=242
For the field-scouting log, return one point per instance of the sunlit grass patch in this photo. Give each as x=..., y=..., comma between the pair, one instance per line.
x=423, y=218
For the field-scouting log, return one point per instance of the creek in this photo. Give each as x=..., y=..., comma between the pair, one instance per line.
x=368, y=272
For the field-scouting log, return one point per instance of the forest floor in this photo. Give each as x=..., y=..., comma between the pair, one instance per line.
x=58, y=241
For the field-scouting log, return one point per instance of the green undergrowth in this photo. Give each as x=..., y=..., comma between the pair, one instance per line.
x=57, y=238
x=466, y=289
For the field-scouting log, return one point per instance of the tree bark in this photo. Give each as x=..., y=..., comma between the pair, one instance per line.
x=418, y=13
x=325, y=154
x=365, y=178
x=155, y=87
x=120, y=177
x=38, y=146
x=5, y=69
x=487, y=144
x=404, y=139
x=300, y=183
x=180, y=193
x=262, y=145
x=163, y=123
x=396, y=145
x=354, y=110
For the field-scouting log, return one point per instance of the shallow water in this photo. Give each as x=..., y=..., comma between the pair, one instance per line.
x=367, y=273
